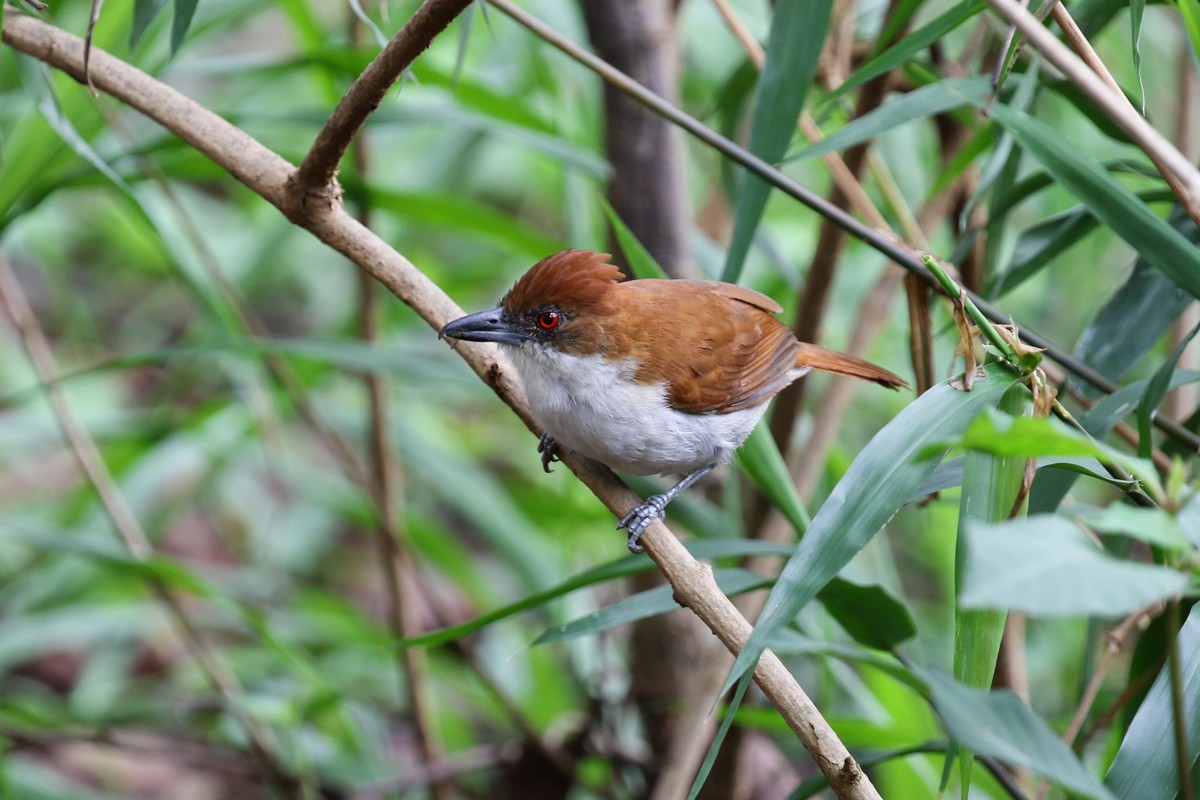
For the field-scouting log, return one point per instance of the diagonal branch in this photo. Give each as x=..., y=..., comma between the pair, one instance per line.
x=319, y=170
x=267, y=174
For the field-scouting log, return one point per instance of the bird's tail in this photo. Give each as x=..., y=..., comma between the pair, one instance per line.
x=817, y=357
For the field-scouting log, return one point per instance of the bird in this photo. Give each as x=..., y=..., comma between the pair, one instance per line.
x=646, y=376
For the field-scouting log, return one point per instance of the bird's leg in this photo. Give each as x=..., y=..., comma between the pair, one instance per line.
x=549, y=450
x=639, y=519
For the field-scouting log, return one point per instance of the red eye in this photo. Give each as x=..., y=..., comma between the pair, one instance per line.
x=548, y=320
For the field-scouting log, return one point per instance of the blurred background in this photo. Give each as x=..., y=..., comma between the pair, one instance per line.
x=308, y=476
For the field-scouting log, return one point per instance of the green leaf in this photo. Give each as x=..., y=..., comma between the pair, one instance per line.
x=1150, y=525
x=1144, y=767
x=871, y=616
x=878, y=482
x=991, y=485
x=763, y=463
x=793, y=50
x=1136, y=9
x=710, y=758
x=144, y=12
x=908, y=47
x=649, y=603
x=1047, y=566
x=1137, y=315
x=184, y=11
x=1000, y=725
x=1189, y=12
x=1115, y=206
x=926, y=101
x=1039, y=436
x=1040, y=244
x=788, y=641
x=457, y=212
x=640, y=260
x=1156, y=390
x=1050, y=488
x=711, y=548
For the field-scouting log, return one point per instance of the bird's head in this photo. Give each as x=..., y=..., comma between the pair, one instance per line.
x=557, y=302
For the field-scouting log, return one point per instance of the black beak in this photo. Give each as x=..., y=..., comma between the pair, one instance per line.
x=484, y=326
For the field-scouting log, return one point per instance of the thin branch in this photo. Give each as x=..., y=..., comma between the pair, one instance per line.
x=317, y=173
x=1174, y=166
x=267, y=174
x=91, y=463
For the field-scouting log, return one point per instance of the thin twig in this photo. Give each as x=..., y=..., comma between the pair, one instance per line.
x=317, y=172
x=91, y=463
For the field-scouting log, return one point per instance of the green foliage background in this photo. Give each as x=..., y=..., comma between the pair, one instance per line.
x=170, y=295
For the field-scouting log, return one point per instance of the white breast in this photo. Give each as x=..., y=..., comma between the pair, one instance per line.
x=591, y=405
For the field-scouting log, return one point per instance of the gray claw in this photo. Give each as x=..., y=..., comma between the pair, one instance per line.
x=637, y=520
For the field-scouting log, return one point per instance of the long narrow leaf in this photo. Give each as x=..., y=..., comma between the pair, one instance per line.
x=878, y=482
x=991, y=484
x=793, y=49
x=1144, y=767
x=1115, y=205
x=910, y=45
x=927, y=101
x=1000, y=725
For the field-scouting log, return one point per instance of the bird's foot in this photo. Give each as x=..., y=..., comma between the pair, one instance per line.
x=549, y=450
x=637, y=520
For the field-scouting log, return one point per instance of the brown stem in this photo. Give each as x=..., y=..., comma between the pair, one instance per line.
x=267, y=174
x=318, y=171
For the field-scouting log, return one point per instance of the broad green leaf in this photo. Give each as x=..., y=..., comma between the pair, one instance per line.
x=1047, y=566
x=793, y=50
x=1000, y=725
x=640, y=260
x=908, y=47
x=1156, y=390
x=927, y=101
x=763, y=463
x=1116, y=206
x=871, y=616
x=878, y=482
x=991, y=485
x=1150, y=525
x=949, y=473
x=1144, y=767
x=1039, y=436
x=649, y=603
x=1050, y=488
